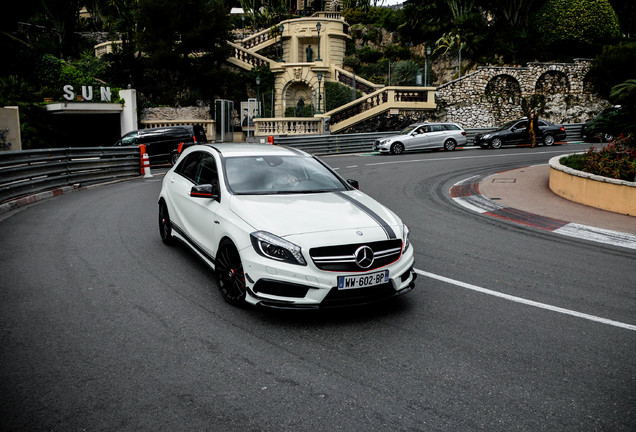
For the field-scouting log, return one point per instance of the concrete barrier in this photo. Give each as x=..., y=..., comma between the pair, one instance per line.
x=617, y=196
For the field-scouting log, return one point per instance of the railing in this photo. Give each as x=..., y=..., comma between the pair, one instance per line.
x=288, y=126
x=408, y=98
x=347, y=78
x=32, y=171
x=106, y=47
x=328, y=15
x=258, y=39
x=247, y=59
x=208, y=125
x=363, y=142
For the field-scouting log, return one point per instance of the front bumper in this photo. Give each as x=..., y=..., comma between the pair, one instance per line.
x=289, y=286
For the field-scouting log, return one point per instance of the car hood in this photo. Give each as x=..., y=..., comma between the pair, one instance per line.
x=394, y=138
x=289, y=215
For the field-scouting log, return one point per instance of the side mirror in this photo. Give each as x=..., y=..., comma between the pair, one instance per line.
x=205, y=191
x=354, y=183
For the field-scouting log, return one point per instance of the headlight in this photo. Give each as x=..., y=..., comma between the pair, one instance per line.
x=485, y=136
x=405, y=238
x=384, y=141
x=276, y=248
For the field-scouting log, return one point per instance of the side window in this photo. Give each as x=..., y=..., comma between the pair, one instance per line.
x=449, y=126
x=541, y=123
x=520, y=125
x=129, y=139
x=206, y=171
x=188, y=166
x=437, y=128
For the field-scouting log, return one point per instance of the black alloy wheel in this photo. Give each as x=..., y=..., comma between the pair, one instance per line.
x=397, y=148
x=165, y=228
x=496, y=143
x=229, y=274
x=450, y=145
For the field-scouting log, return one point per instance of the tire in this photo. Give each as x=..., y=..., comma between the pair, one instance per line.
x=174, y=157
x=229, y=274
x=165, y=227
x=548, y=140
x=496, y=143
x=450, y=145
x=397, y=148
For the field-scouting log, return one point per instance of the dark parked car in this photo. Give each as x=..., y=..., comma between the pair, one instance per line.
x=599, y=129
x=516, y=132
x=162, y=143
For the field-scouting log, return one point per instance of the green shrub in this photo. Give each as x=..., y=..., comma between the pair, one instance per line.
x=369, y=55
x=337, y=94
x=578, y=22
x=616, y=160
x=352, y=62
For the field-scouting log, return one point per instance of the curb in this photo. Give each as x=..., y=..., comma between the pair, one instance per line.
x=8, y=206
x=466, y=193
x=30, y=199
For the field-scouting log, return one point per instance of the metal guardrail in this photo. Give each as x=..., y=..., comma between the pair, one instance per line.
x=354, y=143
x=32, y=171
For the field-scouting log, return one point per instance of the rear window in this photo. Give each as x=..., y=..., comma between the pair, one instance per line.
x=199, y=134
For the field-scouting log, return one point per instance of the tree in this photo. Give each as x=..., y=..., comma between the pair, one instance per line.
x=614, y=65
x=577, y=24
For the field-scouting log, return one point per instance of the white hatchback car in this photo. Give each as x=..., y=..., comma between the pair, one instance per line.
x=281, y=229
x=420, y=136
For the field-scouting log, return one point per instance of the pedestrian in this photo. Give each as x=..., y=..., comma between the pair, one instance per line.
x=532, y=131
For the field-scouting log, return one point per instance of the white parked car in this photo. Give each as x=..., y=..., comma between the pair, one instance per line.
x=422, y=136
x=281, y=229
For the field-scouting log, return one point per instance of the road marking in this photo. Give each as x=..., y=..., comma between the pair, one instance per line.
x=526, y=301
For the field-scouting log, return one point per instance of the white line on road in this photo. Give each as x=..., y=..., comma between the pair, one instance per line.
x=526, y=301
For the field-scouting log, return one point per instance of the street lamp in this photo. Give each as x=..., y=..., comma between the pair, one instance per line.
x=318, y=28
x=428, y=55
x=258, y=97
x=281, y=28
x=243, y=19
x=319, y=94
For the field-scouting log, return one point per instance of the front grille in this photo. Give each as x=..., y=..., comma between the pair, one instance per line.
x=359, y=296
x=342, y=258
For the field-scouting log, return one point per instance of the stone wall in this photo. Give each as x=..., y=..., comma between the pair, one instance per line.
x=493, y=95
x=169, y=113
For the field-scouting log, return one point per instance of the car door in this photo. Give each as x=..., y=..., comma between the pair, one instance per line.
x=195, y=214
x=435, y=138
x=417, y=139
x=518, y=133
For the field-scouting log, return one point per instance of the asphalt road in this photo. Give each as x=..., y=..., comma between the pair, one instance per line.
x=105, y=328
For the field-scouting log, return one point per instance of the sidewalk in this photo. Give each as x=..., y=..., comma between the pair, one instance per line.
x=527, y=189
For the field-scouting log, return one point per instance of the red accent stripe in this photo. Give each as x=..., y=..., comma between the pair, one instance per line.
x=464, y=190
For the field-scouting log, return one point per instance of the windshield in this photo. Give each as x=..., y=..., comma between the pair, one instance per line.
x=264, y=175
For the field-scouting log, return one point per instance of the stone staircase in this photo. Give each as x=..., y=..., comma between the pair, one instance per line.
x=376, y=99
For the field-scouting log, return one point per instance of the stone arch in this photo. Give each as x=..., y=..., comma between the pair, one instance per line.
x=294, y=91
x=588, y=87
x=553, y=82
x=503, y=85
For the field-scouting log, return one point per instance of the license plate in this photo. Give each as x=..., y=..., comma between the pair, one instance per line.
x=362, y=281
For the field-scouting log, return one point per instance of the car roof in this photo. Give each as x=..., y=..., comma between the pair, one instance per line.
x=249, y=149
x=433, y=123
